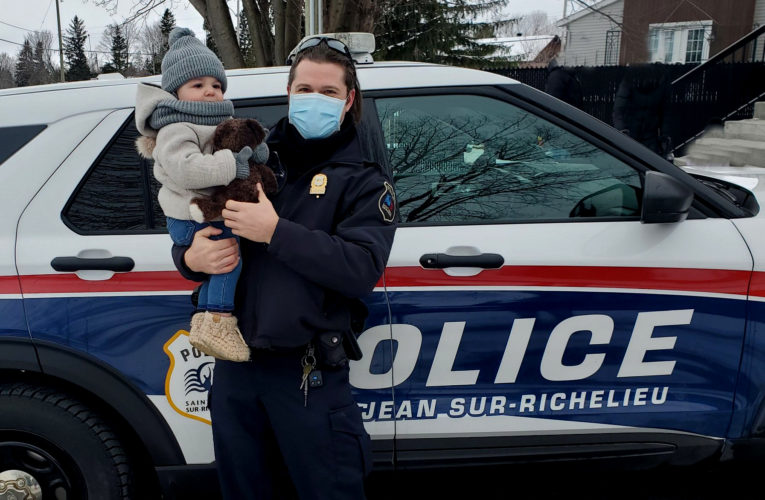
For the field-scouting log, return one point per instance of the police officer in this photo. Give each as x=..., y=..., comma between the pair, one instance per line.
x=285, y=424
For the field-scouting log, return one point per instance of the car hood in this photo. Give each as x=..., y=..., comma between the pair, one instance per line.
x=751, y=179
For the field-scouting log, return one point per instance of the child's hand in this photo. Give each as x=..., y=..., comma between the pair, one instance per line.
x=242, y=162
x=211, y=256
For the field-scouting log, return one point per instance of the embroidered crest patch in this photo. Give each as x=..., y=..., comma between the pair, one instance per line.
x=387, y=203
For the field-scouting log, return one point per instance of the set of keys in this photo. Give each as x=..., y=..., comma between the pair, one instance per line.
x=311, y=376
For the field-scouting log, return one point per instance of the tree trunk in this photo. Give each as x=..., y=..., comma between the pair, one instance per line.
x=279, y=54
x=336, y=9
x=265, y=32
x=254, y=23
x=200, y=6
x=293, y=29
x=367, y=13
x=224, y=34
x=349, y=15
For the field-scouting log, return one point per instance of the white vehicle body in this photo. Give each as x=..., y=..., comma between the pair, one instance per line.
x=582, y=317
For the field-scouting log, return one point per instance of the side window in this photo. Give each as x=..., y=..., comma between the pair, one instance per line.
x=14, y=138
x=469, y=158
x=119, y=193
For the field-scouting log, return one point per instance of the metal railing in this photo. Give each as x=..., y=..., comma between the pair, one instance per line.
x=722, y=88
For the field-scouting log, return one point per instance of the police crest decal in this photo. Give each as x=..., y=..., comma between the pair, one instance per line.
x=387, y=203
x=189, y=377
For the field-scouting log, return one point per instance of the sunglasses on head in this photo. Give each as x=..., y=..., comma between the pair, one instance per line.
x=332, y=43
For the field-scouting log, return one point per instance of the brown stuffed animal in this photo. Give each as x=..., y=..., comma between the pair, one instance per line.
x=234, y=134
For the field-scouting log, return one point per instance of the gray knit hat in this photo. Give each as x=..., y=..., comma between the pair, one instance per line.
x=189, y=58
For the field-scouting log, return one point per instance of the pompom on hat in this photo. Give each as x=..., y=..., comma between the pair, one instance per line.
x=189, y=58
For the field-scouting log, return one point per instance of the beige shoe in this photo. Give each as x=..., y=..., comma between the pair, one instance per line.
x=196, y=322
x=219, y=336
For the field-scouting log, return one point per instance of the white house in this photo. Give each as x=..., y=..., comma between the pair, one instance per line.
x=587, y=31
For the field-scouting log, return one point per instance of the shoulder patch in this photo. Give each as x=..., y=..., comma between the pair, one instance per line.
x=387, y=203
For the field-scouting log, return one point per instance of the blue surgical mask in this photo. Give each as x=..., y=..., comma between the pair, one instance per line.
x=315, y=115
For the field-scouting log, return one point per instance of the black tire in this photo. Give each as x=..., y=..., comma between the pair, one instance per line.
x=62, y=443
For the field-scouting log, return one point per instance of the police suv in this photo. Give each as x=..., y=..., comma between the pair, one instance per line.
x=555, y=290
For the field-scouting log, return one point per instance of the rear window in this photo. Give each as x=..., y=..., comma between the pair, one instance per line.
x=13, y=138
x=119, y=193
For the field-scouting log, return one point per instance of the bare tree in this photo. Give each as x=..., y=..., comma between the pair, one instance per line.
x=42, y=45
x=483, y=167
x=276, y=26
x=534, y=23
x=131, y=33
x=536, y=28
x=150, y=43
x=7, y=66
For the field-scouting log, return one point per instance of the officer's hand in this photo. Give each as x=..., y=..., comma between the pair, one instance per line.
x=254, y=221
x=211, y=256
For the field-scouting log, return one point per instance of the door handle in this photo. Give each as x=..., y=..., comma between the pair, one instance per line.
x=442, y=261
x=73, y=264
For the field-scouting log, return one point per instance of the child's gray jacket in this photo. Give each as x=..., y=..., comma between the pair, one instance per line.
x=184, y=162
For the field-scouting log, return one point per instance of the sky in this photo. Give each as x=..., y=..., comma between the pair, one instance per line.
x=18, y=17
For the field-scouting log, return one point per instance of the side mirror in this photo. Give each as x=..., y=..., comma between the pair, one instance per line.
x=665, y=199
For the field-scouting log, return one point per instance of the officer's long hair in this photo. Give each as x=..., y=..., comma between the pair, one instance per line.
x=321, y=53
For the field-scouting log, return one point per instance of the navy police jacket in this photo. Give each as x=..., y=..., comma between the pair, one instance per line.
x=337, y=221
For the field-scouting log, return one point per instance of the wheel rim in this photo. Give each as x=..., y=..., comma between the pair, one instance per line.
x=50, y=467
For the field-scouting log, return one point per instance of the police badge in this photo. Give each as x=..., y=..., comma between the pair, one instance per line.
x=318, y=185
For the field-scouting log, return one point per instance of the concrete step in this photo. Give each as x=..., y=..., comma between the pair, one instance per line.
x=738, y=143
x=714, y=131
x=734, y=156
x=739, y=151
x=759, y=110
x=752, y=130
x=703, y=159
x=682, y=161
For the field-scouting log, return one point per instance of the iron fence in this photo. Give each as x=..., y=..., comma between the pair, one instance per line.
x=722, y=91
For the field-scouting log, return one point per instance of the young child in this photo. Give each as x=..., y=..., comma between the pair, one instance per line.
x=177, y=123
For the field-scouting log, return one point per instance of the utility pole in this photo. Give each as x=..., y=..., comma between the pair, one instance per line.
x=313, y=17
x=60, y=43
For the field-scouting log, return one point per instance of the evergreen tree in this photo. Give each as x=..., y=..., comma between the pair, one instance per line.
x=108, y=68
x=24, y=65
x=166, y=25
x=119, y=50
x=438, y=31
x=74, y=51
x=41, y=66
x=245, y=42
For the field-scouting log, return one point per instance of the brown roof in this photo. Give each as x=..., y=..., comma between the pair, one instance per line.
x=548, y=53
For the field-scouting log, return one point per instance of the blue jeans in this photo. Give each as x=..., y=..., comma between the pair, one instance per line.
x=217, y=293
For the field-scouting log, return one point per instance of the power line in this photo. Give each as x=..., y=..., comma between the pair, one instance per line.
x=14, y=26
x=84, y=50
x=14, y=43
x=46, y=15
